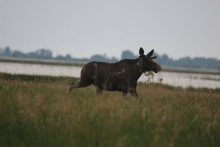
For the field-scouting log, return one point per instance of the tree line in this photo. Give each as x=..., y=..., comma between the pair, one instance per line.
x=164, y=60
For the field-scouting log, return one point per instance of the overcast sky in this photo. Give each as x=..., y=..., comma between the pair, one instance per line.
x=86, y=27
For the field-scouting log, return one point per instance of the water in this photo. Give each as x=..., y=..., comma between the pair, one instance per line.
x=186, y=79
x=40, y=69
x=171, y=78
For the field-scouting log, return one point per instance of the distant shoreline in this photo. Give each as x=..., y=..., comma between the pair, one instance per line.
x=80, y=64
x=41, y=61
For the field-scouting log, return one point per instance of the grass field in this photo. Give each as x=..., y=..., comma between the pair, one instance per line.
x=36, y=111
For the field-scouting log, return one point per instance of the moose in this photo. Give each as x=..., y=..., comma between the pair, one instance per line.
x=120, y=76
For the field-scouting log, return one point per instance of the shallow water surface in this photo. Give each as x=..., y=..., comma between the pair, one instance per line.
x=171, y=78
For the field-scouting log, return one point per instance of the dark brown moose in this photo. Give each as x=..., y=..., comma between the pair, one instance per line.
x=120, y=76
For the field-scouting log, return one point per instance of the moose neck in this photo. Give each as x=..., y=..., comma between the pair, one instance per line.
x=139, y=68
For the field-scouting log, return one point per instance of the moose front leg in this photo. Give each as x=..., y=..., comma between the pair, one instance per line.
x=133, y=92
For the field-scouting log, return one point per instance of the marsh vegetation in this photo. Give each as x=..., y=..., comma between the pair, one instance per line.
x=36, y=111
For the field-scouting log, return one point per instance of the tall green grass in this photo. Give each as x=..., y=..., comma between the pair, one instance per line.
x=40, y=113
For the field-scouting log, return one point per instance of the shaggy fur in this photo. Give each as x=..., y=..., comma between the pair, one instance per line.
x=120, y=76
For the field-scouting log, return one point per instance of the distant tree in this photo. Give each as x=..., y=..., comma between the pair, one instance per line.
x=18, y=54
x=103, y=58
x=68, y=57
x=59, y=57
x=7, y=52
x=127, y=55
x=43, y=53
x=1, y=52
x=163, y=60
x=97, y=58
x=114, y=59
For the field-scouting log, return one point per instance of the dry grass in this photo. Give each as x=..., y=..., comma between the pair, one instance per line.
x=38, y=113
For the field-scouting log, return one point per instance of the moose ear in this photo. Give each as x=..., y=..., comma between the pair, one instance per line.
x=141, y=51
x=150, y=53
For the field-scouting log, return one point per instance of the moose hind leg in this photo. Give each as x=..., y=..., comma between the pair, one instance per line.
x=98, y=90
x=124, y=94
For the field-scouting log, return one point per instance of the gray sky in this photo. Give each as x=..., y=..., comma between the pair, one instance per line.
x=86, y=27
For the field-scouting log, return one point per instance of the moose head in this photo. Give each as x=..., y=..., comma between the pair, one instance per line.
x=146, y=61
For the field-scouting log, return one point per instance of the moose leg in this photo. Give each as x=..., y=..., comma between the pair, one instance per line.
x=136, y=94
x=98, y=90
x=133, y=92
x=124, y=94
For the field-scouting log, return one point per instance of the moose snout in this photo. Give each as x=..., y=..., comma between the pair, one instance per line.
x=158, y=68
